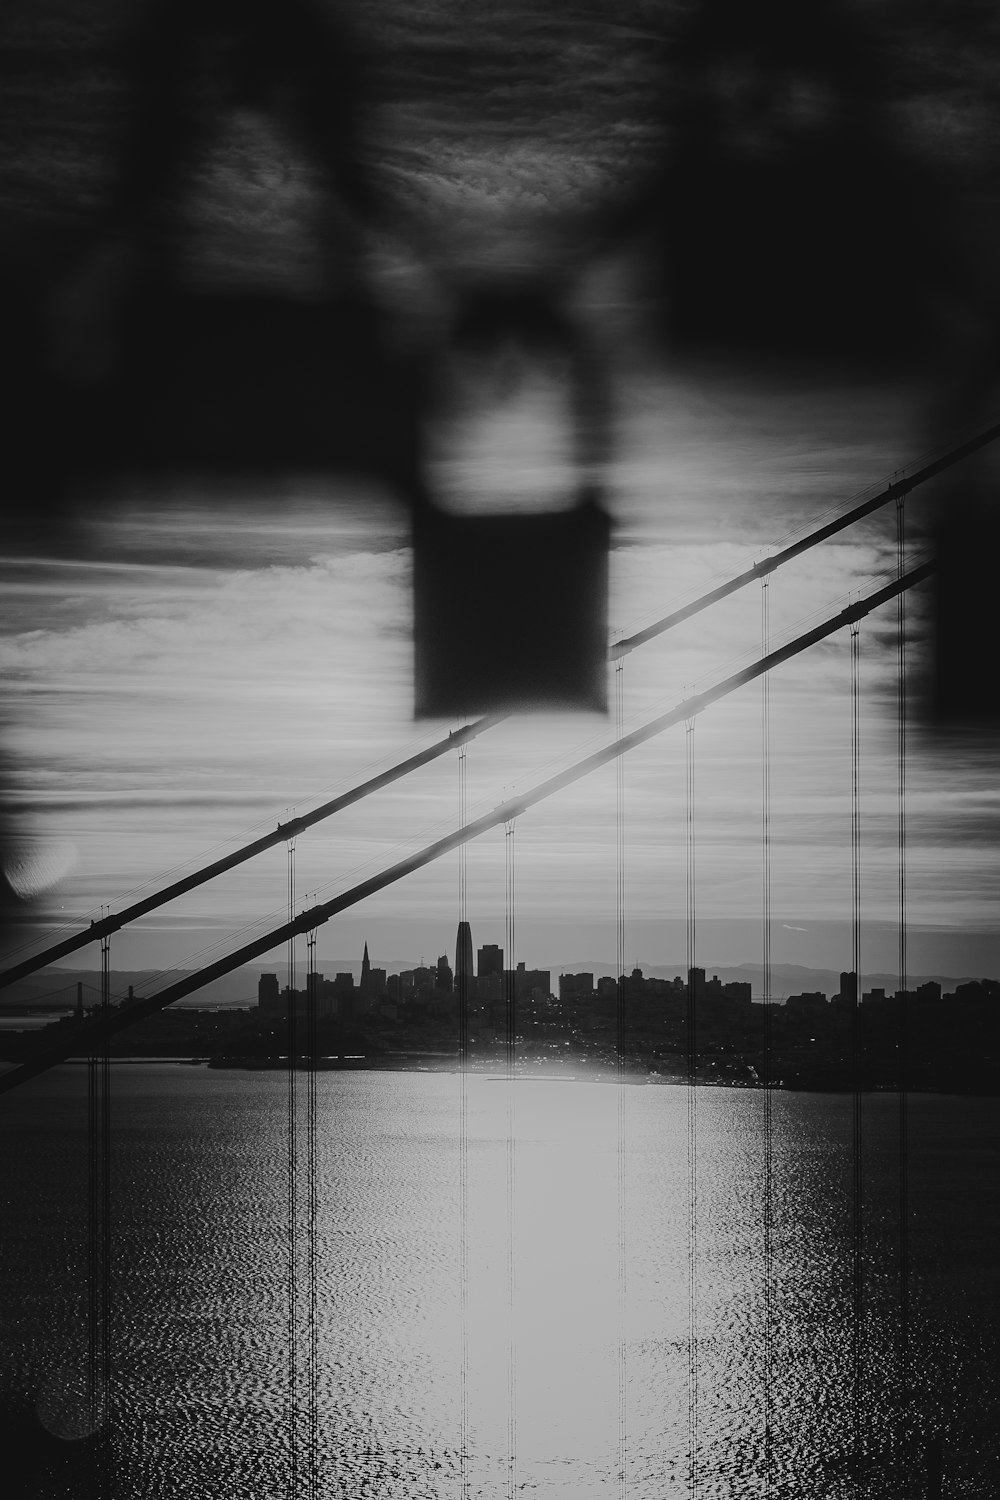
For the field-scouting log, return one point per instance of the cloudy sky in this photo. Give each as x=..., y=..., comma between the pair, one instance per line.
x=192, y=666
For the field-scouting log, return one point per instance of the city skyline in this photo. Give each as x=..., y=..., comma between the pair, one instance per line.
x=934, y=951
x=238, y=987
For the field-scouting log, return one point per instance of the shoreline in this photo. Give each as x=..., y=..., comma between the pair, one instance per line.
x=493, y=1071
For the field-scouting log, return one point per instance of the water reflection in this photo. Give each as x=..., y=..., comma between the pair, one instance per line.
x=201, y=1255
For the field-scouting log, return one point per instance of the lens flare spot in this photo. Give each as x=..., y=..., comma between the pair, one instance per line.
x=71, y=1404
x=36, y=866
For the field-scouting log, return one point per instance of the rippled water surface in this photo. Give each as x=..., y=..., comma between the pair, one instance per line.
x=592, y=1253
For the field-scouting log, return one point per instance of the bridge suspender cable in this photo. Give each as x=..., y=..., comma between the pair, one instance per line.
x=621, y=1154
x=693, y=996
x=91, y=1032
x=509, y=974
x=292, y=1191
x=312, y=1212
x=462, y=978
x=99, y=1364
x=902, y=1044
x=859, y=1423
x=458, y=737
x=768, y=1204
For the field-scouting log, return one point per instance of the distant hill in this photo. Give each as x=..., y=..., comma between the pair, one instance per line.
x=56, y=988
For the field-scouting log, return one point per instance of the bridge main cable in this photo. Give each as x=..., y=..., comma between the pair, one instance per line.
x=761, y=569
x=281, y=835
x=93, y=1034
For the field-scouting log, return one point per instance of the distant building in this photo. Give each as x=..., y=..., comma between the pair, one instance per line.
x=661, y=987
x=373, y=982
x=346, y=997
x=490, y=987
x=269, y=1001
x=574, y=987
x=532, y=982
x=810, y=1002
x=848, y=988
x=464, y=956
x=490, y=960
x=443, y=977
x=318, y=988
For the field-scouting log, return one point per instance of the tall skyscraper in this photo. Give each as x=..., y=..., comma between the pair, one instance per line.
x=443, y=977
x=268, y=994
x=849, y=987
x=366, y=973
x=490, y=960
x=463, y=954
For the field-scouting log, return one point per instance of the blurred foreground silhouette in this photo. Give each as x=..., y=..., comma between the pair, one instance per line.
x=787, y=209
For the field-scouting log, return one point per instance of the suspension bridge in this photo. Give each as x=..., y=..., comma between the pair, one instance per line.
x=101, y=930
x=90, y=1037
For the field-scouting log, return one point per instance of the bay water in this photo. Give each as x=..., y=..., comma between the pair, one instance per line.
x=602, y=1311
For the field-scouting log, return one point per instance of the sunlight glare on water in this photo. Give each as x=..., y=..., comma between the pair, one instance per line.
x=200, y=1333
